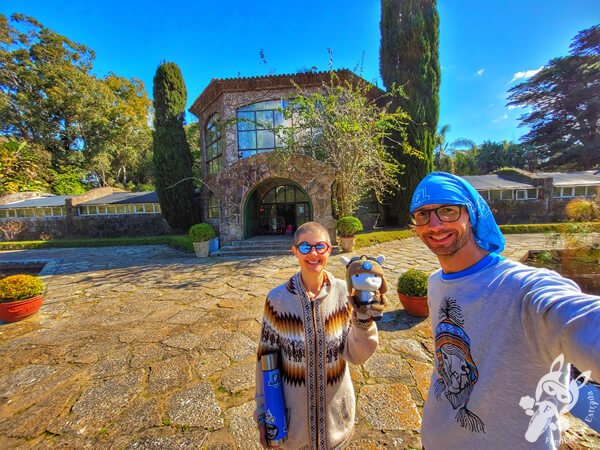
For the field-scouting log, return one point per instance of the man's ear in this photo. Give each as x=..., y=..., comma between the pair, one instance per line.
x=345, y=260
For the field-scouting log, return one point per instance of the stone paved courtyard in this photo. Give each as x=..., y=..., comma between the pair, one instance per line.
x=150, y=348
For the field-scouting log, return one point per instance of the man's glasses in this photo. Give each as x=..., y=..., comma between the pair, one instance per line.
x=446, y=213
x=305, y=248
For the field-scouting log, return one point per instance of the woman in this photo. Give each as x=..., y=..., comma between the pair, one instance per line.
x=308, y=320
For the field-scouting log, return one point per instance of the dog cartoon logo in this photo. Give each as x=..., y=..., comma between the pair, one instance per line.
x=456, y=367
x=552, y=397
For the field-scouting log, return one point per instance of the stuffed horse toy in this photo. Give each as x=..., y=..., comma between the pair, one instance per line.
x=367, y=286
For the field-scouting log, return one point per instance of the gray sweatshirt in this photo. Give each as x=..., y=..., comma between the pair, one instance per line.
x=499, y=379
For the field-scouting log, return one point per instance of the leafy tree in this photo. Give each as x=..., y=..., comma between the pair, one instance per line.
x=171, y=154
x=495, y=155
x=50, y=99
x=409, y=58
x=564, y=99
x=344, y=126
x=20, y=168
x=465, y=162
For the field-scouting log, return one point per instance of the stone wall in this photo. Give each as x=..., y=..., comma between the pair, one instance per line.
x=238, y=181
x=94, y=226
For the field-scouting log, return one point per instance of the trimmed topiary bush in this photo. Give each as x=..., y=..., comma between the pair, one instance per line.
x=201, y=232
x=413, y=283
x=348, y=226
x=20, y=287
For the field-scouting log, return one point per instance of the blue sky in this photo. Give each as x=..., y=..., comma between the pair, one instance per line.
x=483, y=44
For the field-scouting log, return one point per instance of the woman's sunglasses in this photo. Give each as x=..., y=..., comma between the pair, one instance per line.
x=305, y=248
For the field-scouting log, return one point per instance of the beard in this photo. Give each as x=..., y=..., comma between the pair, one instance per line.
x=460, y=241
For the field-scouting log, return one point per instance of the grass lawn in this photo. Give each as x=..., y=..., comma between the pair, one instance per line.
x=184, y=242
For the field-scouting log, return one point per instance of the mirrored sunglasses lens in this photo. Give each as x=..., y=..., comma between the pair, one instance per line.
x=321, y=247
x=304, y=248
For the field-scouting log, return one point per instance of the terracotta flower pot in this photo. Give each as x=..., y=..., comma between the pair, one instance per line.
x=347, y=243
x=17, y=310
x=415, y=306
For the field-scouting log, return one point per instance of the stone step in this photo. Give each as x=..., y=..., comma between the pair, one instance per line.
x=266, y=249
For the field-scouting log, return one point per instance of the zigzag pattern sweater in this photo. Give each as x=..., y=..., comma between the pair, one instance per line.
x=314, y=339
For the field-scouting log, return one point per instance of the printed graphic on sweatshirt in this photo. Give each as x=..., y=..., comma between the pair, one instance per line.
x=456, y=367
x=552, y=397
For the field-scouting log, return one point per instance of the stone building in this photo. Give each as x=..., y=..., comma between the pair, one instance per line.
x=247, y=191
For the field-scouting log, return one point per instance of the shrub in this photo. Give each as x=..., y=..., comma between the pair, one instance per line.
x=582, y=210
x=348, y=226
x=20, y=287
x=201, y=232
x=413, y=283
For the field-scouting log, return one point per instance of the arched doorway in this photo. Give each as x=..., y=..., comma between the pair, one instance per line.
x=276, y=207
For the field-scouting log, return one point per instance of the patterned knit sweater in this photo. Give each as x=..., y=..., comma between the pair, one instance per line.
x=315, y=339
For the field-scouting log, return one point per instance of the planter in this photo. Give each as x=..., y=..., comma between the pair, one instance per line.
x=17, y=310
x=201, y=249
x=347, y=243
x=415, y=306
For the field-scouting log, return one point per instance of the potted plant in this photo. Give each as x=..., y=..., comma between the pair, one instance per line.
x=412, y=292
x=20, y=296
x=201, y=233
x=346, y=228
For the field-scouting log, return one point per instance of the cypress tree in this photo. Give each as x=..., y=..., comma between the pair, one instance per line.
x=409, y=58
x=171, y=159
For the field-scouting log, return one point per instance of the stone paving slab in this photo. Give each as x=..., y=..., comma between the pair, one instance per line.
x=150, y=348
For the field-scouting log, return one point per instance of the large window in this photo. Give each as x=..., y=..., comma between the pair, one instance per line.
x=54, y=211
x=119, y=208
x=213, y=211
x=259, y=125
x=574, y=191
x=212, y=139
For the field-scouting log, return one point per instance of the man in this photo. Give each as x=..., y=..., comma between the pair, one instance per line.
x=504, y=332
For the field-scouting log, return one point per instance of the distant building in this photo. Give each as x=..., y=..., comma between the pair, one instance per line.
x=102, y=212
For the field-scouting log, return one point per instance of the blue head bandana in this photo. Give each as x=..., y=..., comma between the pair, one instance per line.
x=445, y=189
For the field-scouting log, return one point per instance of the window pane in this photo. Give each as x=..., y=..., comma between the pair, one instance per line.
x=280, y=194
x=157, y=207
x=270, y=197
x=580, y=191
x=568, y=192
x=289, y=194
x=264, y=120
x=301, y=196
x=247, y=140
x=507, y=195
x=246, y=153
x=278, y=118
x=266, y=139
x=532, y=193
x=246, y=121
x=495, y=195
x=102, y=209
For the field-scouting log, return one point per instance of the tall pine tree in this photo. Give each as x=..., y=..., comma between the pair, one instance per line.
x=171, y=158
x=409, y=58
